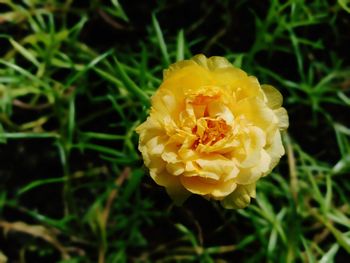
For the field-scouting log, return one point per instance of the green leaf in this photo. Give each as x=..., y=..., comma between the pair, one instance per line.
x=345, y=4
x=329, y=256
x=133, y=183
x=131, y=85
x=160, y=39
x=180, y=51
x=27, y=54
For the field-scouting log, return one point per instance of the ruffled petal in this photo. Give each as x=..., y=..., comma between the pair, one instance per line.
x=198, y=185
x=175, y=168
x=240, y=198
x=253, y=141
x=282, y=116
x=256, y=111
x=217, y=164
x=212, y=63
x=173, y=186
x=149, y=129
x=217, y=109
x=273, y=96
x=275, y=149
x=252, y=174
x=208, y=187
x=174, y=68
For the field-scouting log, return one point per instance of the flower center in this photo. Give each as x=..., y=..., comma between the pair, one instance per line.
x=215, y=130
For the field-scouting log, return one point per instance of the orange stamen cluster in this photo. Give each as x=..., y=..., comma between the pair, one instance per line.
x=216, y=130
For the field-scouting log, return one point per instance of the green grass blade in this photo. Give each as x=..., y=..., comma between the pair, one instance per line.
x=160, y=39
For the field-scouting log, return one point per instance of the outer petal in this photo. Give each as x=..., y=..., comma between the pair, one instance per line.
x=173, y=68
x=252, y=143
x=256, y=112
x=212, y=63
x=222, y=167
x=275, y=149
x=252, y=174
x=172, y=184
x=149, y=129
x=283, y=120
x=186, y=81
x=163, y=178
x=208, y=187
x=240, y=198
x=274, y=97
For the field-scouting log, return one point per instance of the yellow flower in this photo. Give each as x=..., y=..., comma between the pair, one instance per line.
x=212, y=131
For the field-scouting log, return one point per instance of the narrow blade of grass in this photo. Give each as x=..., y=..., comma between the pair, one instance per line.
x=160, y=39
x=180, y=51
x=131, y=85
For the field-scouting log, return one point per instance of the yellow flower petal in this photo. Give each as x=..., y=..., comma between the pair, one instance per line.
x=212, y=63
x=240, y=198
x=174, y=68
x=252, y=174
x=219, y=165
x=206, y=186
x=253, y=142
x=163, y=178
x=217, y=109
x=275, y=149
x=256, y=112
x=149, y=129
x=175, y=168
x=274, y=97
x=283, y=120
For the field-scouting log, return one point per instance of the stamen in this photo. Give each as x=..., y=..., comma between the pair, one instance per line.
x=216, y=130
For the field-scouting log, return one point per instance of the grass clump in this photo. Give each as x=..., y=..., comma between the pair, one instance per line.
x=75, y=80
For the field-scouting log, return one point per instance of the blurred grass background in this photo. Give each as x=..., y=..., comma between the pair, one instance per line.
x=75, y=80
